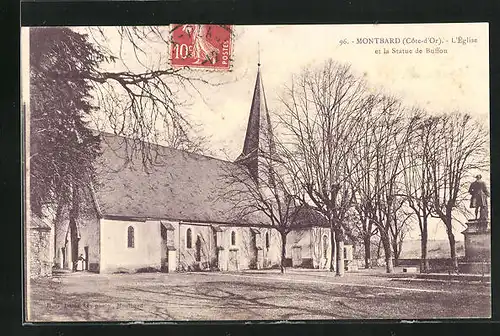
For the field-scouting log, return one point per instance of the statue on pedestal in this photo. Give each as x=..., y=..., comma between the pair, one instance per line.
x=478, y=201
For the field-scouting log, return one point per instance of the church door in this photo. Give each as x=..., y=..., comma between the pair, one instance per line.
x=63, y=255
x=216, y=257
x=198, y=249
x=86, y=263
x=233, y=260
x=296, y=256
x=254, y=251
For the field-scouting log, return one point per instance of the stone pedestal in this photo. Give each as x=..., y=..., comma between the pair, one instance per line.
x=477, y=247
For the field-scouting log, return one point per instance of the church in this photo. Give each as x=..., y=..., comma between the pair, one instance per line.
x=171, y=218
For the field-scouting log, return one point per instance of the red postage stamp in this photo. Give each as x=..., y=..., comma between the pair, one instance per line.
x=201, y=46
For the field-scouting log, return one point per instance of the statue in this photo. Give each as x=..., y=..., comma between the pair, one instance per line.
x=479, y=196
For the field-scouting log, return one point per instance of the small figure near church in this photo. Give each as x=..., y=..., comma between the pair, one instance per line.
x=80, y=263
x=479, y=196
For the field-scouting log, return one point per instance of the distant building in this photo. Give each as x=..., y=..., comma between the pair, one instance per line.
x=171, y=218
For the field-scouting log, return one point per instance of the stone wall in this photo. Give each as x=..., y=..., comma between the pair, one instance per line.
x=40, y=256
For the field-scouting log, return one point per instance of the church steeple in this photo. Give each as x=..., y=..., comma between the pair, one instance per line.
x=259, y=141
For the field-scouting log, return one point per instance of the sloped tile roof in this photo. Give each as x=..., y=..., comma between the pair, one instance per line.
x=182, y=186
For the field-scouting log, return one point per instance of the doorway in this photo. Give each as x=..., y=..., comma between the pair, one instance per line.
x=216, y=246
x=233, y=260
x=198, y=249
x=296, y=256
x=63, y=254
x=254, y=251
x=86, y=256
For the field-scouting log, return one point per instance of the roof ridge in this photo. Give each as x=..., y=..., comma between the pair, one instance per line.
x=165, y=147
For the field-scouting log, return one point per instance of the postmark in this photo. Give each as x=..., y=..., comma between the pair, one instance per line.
x=206, y=46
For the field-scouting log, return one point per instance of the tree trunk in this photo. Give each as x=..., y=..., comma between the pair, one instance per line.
x=74, y=213
x=339, y=247
x=386, y=243
x=333, y=248
x=379, y=244
x=424, y=262
x=451, y=239
x=367, y=244
x=283, y=252
x=395, y=251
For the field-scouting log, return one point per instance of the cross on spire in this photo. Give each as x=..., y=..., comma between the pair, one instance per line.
x=258, y=54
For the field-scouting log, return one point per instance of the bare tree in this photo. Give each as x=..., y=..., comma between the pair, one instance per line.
x=265, y=195
x=460, y=148
x=362, y=178
x=140, y=95
x=363, y=231
x=322, y=113
x=399, y=227
x=417, y=184
x=376, y=176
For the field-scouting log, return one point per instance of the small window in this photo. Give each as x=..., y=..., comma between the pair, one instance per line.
x=325, y=246
x=189, y=238
x=267, y=240
x=233, y=238
x=130, y=237
x=345, y=252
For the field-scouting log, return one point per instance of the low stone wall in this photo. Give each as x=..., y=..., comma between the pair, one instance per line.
x=435, y=265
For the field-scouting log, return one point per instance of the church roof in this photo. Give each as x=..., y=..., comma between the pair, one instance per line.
x=181, y=186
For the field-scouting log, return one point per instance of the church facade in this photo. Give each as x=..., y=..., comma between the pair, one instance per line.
x=172, y=218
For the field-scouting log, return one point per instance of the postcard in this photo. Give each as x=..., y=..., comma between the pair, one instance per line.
x=206, y=172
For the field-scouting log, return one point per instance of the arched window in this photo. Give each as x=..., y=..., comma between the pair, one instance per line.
x=325, y=246
x=189, y=238
x=233, y=238
x=345, y=252
x=130, y=237
x=267, y=240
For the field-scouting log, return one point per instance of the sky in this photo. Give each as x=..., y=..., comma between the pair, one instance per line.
x=439, y=83
x=445, y=82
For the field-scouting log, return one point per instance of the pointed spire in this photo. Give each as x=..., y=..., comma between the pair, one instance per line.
x=259, y=139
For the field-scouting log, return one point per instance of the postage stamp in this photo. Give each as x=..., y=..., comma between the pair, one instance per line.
x=201, y=46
